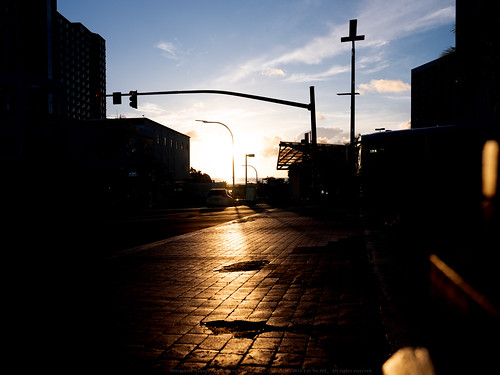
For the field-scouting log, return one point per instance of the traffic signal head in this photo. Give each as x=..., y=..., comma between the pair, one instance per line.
x=117, y=98
x=133, y=99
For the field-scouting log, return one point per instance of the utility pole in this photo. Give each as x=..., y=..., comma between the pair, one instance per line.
x=353, y=24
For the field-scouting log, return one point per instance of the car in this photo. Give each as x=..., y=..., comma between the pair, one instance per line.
x=219, y=198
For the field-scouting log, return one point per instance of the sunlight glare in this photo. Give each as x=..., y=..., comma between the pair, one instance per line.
x=211, y=152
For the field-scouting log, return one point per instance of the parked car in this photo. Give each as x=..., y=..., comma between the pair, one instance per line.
x=219, y=198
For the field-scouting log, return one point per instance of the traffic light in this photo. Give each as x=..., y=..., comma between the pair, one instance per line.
x=117, y=98
x=133, y=99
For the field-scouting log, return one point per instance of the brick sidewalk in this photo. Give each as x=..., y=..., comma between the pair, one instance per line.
x=274, y=292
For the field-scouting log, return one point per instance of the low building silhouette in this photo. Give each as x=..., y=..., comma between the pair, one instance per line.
x=329, y=169
x=127, y=161
x=461, y=87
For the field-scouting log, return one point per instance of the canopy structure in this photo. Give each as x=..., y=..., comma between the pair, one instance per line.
x=328, y=175
x=292, y=153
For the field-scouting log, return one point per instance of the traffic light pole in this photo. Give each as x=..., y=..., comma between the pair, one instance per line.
x=311, y=106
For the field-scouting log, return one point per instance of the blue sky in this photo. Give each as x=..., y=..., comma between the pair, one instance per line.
x=274, y=48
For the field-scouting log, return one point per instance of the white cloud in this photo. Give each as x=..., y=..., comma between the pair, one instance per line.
x=428, y=21
x=233, y=75
x=321, y=76
x=405, y=125
x=405, y=17
x=384, y=86
x=315, y=51
x=331, y=135
x=273, y=72
x=327, y=135
x=193, y=134
x=169, y=50
x=151, y=110
x=270, y=147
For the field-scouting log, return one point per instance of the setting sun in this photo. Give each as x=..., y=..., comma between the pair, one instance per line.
x=212, y=152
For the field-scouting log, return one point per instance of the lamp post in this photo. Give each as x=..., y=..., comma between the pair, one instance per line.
x=232, y=139
x=246, y=165
x=256, y=174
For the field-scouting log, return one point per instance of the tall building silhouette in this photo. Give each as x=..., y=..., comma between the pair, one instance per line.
x=80, y=64
x=50, y=67
x=51, y=71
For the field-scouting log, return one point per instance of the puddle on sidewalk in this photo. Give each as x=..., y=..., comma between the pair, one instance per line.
x=240, y=328
x=244, y=266
x=250, y=329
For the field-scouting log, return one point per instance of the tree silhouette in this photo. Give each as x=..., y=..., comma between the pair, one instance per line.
x=199, y=176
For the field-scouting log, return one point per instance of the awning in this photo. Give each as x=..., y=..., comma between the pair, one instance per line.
x=291, y=153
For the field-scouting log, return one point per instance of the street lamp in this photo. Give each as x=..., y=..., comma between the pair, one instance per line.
x=256, y=174
x=246, y=164
x=232, y=139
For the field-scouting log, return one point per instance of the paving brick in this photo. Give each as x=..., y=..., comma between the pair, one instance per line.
x=268, y=343
x=237, y=346
x=178, y=351
x=191, y=320
x=226, y=360
x=258, y=357
x=164, y=366
x=288, y=360
x=244, y=369
x=165, y=340
x=202, y=311
x=191, y=338
x=322, y=365
x=190, y=367
x=284, y=313
x=260, y=314
x=201, y=355
x=293, y=345
x=215, y=342
x=178, y=328
x=200, y=329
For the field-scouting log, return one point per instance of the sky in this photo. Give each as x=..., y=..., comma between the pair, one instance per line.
x=272, y=48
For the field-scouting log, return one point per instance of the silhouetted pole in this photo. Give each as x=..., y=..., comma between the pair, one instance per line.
x=312, y=108
x=314, y=144
x=353, y=24
x=256, y=173
x=246, y=165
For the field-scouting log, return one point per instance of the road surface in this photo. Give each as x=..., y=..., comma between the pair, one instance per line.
x=128, y=231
